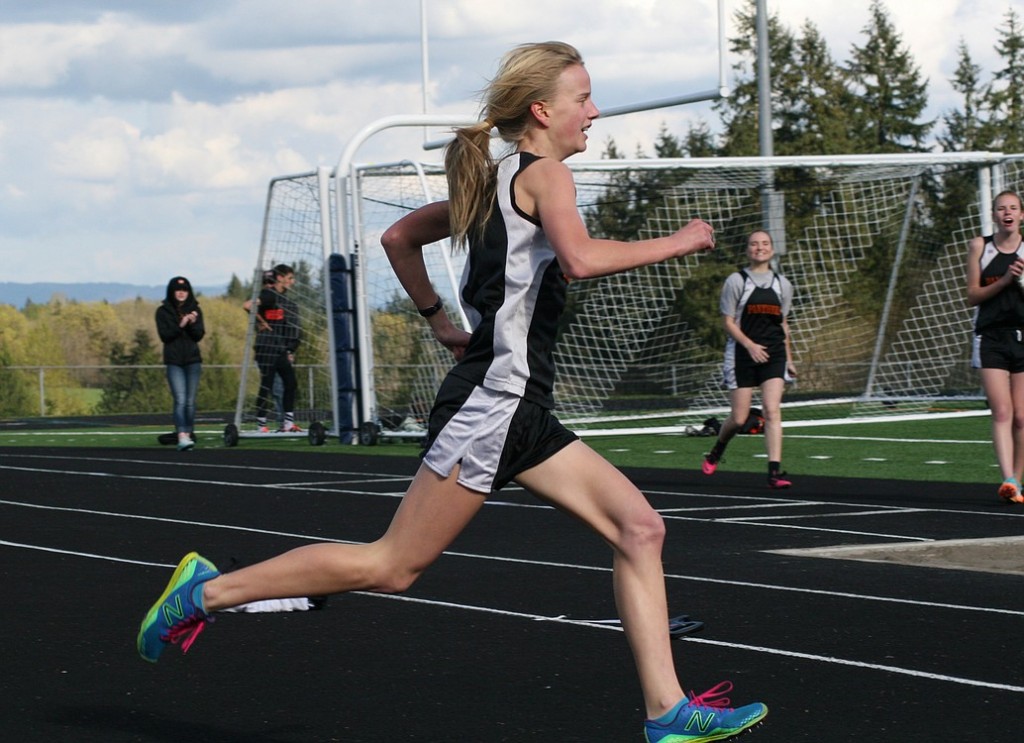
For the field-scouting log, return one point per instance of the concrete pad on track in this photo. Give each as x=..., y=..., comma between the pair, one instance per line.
x=997, y=555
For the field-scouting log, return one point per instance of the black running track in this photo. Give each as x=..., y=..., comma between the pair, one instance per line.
x=506, y=638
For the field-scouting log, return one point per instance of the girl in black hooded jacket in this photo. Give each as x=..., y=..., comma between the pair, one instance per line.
x=179, y=322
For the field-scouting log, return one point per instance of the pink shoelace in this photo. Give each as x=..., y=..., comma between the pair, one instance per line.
x=713, y=697
x=187, y=631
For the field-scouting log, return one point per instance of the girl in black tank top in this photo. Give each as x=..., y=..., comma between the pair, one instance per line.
x=754, y=306
x=994, y=268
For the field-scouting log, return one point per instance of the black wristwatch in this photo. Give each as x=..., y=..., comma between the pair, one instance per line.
x=432, y=309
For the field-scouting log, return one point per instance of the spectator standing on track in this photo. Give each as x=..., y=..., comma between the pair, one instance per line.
x=755, y=303
x=277, y=340
x=179, y=323
x=492, y=421
x=994, y=266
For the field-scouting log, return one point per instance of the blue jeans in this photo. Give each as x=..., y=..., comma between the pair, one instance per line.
x=184, y=384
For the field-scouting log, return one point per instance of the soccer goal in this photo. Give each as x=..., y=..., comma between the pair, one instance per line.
x=297, y=232
x=880, y=324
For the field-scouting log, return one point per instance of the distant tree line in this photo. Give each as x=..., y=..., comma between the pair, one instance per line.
x=73, y=338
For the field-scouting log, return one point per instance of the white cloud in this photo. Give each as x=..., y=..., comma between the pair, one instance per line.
x=101, y=153
x=137, y=139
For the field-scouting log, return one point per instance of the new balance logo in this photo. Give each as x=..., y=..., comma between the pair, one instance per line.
x=700, y=721
x=173, y=614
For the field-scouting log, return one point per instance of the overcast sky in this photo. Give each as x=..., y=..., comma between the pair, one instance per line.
x=137, y=137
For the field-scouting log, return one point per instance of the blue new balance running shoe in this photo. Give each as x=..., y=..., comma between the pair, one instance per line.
x=706, y=717
x=178, y=615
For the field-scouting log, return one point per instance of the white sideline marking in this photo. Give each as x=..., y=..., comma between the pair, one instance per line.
x=85, y=432
x=886, y=439
x=832, y=660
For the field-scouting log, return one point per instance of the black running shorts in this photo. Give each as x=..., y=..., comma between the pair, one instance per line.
x=999, y=348
x=491, y=435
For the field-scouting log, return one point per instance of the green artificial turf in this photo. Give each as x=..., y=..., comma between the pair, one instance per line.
x=939, y=449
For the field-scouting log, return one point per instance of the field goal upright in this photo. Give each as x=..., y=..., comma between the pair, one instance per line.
x=298, y=226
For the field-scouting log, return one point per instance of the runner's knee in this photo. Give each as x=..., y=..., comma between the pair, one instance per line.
x=643, y=531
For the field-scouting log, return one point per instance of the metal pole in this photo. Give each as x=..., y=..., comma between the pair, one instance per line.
x=42, y=392
x=985, y=199
x=772, y=209
x=764, y=83
x=876, y=357
x=424, y=59
x=723, y=66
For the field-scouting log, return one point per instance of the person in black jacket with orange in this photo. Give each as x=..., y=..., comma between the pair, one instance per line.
x=179, y=322
x=277, y=340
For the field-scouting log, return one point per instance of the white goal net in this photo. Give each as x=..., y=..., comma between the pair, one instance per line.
x=879, y=320
x=880, y=323
x=297, y=228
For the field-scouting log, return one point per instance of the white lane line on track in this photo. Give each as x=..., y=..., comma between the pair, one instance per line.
x=91, y=555
x=368, y=476
x=364, y=477
x=538, y=563
x=764, y=522
x=877, y=512
x=741, y=507
x=291, y=485
x=860, y=664
x=793, y=527
x=184, y=522
x=832, y=660
x=767, y=502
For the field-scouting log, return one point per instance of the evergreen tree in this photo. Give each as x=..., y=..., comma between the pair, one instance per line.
x=889, y=93
x=668, y=146
x=238, y=290
x=819, y=100
x=965, y=131
x=621, y=212
x=133, y=390
x=810, y=98
x=1004, y=99
x=965, y=127
x=699, y=141
x=739, y=112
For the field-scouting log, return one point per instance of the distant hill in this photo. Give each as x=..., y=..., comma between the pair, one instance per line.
x=41, y=293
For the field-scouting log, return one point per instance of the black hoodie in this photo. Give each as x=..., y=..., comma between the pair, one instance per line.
x=181, y=345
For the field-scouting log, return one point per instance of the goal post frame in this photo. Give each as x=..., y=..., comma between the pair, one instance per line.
x=317, y=296
x=349, y=241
